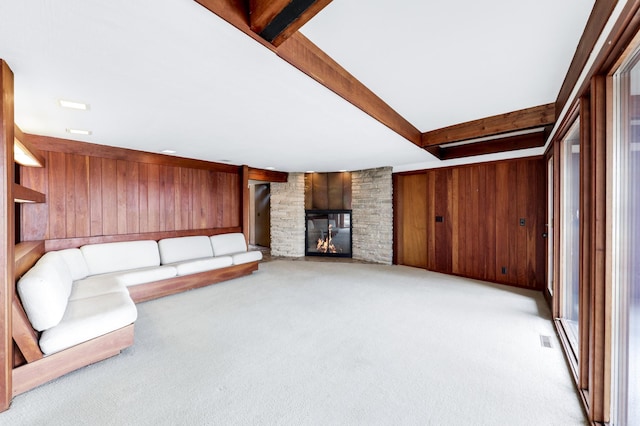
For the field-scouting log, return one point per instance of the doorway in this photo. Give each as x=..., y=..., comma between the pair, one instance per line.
x=260, y=226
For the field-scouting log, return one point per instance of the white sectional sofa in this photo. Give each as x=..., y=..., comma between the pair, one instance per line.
x=75, y=295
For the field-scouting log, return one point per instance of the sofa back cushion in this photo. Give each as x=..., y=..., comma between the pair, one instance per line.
x=184, y=248
x=228, y=244
x=121, y=256
x=75, y=261
x=44, y=291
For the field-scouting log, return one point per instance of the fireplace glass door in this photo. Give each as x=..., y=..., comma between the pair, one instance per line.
x=328, y=233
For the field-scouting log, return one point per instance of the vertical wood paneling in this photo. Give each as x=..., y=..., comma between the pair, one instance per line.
x=95, y=195
x=412, y=237
x=109, y=197
x=92, y=196
x=481, y=206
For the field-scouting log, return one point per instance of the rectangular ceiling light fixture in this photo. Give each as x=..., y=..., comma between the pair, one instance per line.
x=73, y=105
x=79, y=132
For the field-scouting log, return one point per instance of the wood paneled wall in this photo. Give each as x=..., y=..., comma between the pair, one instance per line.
x=107, y=195
x=467, y=221
x=327, y=191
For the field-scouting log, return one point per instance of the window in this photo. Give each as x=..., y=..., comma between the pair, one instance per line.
x=570, y=237
x=626, y=235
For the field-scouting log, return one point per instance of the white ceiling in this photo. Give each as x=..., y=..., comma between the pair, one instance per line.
x=169, y=74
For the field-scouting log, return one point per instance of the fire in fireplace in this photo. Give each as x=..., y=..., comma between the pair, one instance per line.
x=328, y=233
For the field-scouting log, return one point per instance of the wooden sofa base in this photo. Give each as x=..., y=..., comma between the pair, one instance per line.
x=153, y=290
x=36, y=373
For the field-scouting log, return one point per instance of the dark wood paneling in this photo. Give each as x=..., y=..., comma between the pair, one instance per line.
x=91, y=196
x=480, y=232
x=327, y=191
x=267, y=175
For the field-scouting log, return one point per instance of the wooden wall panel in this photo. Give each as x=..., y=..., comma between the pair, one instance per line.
x=90, y=196
x=480, y=233
x=327, y=191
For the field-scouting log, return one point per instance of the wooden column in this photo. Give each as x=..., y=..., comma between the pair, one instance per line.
x=246, y=200
x=7, y=232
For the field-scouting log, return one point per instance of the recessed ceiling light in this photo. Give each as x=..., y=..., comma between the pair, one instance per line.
x=309, y=171
x=79, y=132
x=224, y=160
x=168, y=151
x=270, y=168
x=342, y=171
x=73, y=105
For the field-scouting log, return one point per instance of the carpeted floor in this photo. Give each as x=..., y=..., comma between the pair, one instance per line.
x=318, y=343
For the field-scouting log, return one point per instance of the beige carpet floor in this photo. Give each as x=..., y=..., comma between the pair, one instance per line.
x=319, y=343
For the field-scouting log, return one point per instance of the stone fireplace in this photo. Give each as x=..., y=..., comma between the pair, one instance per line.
x=369, y=194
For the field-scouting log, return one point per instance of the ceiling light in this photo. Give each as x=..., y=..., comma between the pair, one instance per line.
x=73, y=105
x=342, y=171
x=79, y=132
x=309, y=171
x=168, y=151
x=23, y=156
x=270, y=168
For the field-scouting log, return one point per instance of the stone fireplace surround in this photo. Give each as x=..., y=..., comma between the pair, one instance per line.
x=372, y=216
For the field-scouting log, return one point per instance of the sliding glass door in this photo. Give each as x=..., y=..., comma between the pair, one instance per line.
x=626, y=257
x=570, y=237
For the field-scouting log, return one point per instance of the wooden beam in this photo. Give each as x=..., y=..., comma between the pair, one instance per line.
x=7, y=233
x=24, y=335
x=529, y=118
x=530, y=140
x=245, y=202
x=277, y=20
x=27, y=254
x=308, y=58
x=267, y=175
x=35, y=153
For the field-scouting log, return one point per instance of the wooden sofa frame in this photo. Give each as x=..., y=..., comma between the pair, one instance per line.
x=32, y=369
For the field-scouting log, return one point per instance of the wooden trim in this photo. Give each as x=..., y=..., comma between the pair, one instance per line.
x=512, y=143
x=509, y=160
x=149, y=291
x=7, y=232
x=268, y=175
x=557, y=217
x=586, y=229
x=261, y=12
x=31, y=375
x=23, y=333
x=529, y=118
x=65, y=243
x=23, y=194
x=246, y=201
x=599, y=368
x=46, y=143
x=308, y=58
x=598, y=18
x=26, y=255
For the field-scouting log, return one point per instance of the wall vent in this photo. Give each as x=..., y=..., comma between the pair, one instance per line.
x=545, y=341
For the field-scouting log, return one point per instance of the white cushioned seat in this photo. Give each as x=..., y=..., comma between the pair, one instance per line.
x=76, y=263
x=201, y=265
x=88, y=318
x=120, y=256
x=146, y=275
x=224, y=244
x=235, y=246
x=246, y=257
x=96, y=286
x=173, y=250
x=44, y=291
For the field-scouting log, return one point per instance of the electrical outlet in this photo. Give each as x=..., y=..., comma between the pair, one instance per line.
x=504, y=270
x=522, y=222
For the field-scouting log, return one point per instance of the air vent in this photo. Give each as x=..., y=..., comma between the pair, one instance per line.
x=545, y=341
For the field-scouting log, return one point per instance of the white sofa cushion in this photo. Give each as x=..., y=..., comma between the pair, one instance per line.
x=224, y=244
x=96, y=286
x=76, y=263
x=120, y=256
x=184, y=248
x=246, y=257
x=88, y=318
x=201, y=265
x=146, y=275
x=44, y=291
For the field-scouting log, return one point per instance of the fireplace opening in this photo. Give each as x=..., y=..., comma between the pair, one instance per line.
x=328, y=233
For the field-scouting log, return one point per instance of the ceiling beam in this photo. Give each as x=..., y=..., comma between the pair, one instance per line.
x=311, y=60
x=504, y=144
x=277, y=20
x=540, y=116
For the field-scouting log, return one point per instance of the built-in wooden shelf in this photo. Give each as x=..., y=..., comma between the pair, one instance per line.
x=22, y=194
x=26, y=254
x=24, y=153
